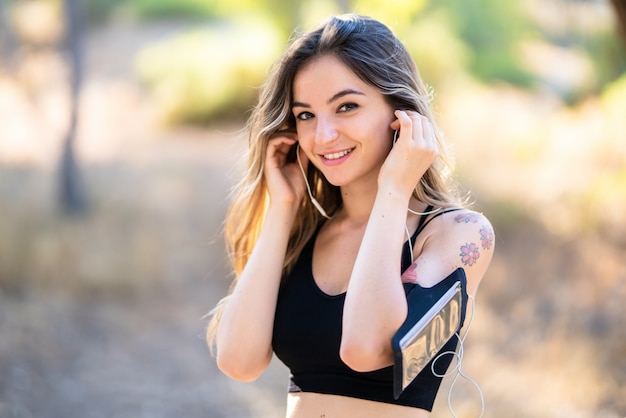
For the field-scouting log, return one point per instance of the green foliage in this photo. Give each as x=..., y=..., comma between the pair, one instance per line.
x=607, y=52
x=101, y=10
x=496, y=65
x=594, y=38
x=491, y=30
x=207, y=73
x=387, y=11
x=441, y=60
x=159, y=9
x=311, y=13
x=447, y=38
x=284, y=14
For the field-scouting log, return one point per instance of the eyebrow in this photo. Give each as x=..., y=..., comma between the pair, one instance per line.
x=335, y=97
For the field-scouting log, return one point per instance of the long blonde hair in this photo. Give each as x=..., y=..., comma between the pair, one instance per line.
x=375, y=55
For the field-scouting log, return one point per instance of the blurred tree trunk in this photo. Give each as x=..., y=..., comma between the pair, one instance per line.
x=620, y=10
x=8, y=43
x=72, y=194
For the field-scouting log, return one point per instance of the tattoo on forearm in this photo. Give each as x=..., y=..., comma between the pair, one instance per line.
x=486, y=237
x=466, y=218
x=469, y=254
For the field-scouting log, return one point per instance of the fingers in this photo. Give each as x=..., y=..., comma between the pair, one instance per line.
x=280, y=146
x=285, y=133
x=415, y=128
x=281, y=142
x=407, y=125
x=284, y=180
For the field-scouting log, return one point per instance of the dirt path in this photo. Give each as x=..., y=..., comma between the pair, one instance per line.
x=111, y=358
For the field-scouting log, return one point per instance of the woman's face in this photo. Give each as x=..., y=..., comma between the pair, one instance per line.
x=342, y=122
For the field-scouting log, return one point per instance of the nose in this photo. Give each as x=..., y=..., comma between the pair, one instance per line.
x=326, y=131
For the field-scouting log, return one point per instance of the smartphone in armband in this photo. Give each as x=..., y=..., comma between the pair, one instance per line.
x=434, y=315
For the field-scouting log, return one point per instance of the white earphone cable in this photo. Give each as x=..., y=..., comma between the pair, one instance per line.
x=317, y=204
x=457, y=368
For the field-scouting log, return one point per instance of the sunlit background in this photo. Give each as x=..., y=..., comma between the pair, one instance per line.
x=120, y=134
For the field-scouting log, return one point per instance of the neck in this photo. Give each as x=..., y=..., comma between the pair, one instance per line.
x=357, y=203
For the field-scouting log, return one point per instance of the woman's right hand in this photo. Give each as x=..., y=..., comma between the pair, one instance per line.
x=414, y=152
x=284, y=180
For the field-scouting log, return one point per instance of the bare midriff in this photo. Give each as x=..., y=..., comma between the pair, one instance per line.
x=317, y=405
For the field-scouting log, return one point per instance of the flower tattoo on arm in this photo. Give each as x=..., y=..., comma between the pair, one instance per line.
x=466, y=218
x=486, y=237
x=469, y=254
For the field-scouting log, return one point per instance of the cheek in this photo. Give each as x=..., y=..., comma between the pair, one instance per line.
x=306, y=138
x=305, y=132
x=384, y=138
x=385, y=148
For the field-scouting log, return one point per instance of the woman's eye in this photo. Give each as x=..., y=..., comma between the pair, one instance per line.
x=304, y=116
x=347, y=107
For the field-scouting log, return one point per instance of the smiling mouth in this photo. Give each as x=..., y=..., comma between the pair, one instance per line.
x=337, y=155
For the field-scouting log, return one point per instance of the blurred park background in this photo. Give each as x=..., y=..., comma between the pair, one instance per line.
x=120, y=135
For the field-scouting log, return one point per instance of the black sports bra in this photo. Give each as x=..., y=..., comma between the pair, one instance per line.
x=307, y=336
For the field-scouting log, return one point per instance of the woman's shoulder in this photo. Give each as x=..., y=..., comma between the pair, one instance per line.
x=459, y=218
x=461, y=238
x=465, y=224
x=453, y=238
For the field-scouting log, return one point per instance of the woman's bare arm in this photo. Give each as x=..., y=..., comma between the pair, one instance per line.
x=244, y=334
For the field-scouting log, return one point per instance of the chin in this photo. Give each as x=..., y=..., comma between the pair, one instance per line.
x=337, y=182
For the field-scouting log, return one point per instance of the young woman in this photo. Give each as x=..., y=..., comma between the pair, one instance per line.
x=345, y=166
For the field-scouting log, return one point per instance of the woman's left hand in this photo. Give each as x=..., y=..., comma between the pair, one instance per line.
x=413, y=153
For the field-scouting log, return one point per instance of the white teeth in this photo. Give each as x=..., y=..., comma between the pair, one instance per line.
x=337, y=155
